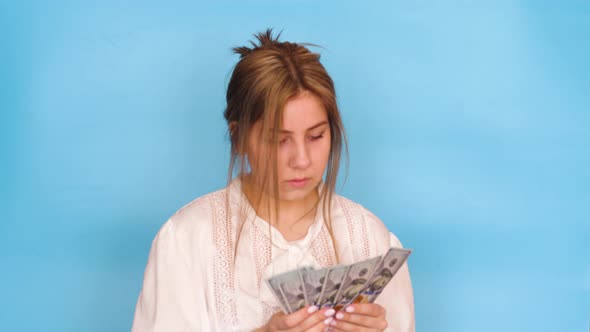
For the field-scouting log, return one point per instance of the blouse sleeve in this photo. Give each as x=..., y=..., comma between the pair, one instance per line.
x=397, y=298
x=173, y=295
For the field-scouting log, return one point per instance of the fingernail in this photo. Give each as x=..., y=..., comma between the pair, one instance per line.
x=312, y=309
x=333, y=323
x=339, y=315
x=328, y=320
x=349, y=309
x=330, y=312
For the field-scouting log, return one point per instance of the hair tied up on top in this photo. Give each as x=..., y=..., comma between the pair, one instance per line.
x=269, y=74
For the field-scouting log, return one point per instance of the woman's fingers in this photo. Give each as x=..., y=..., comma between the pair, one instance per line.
x=361, y=317
x=358, y=317
x=363, y=324
x=317, y=322
x=295, y=319
x=305, y=319
x=368, y=309
x=321, y=325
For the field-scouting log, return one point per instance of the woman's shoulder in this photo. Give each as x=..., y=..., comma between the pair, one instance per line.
x=359, y=216
x=354, y=210
x=201, y=211
x=195, y=220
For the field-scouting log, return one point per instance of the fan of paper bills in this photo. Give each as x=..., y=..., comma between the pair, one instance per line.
x=337, y=286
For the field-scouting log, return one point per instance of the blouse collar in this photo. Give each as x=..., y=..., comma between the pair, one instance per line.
x=277, y=239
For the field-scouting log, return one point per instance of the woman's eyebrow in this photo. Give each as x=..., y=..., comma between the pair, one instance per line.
x=319, y=124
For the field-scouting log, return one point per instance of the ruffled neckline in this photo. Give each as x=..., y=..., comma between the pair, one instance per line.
x=276, y=236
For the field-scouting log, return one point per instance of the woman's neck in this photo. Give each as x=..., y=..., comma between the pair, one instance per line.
x=295, y=216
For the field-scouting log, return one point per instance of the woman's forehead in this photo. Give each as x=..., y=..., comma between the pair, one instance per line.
x=303, y=112
x=299, y=115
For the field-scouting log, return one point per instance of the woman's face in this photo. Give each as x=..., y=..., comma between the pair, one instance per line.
x=303, y=147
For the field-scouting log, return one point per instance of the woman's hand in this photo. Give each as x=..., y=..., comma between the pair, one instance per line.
x=360, y=317
x=308, y=319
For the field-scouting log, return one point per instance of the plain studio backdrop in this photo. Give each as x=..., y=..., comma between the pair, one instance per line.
x=469, y=131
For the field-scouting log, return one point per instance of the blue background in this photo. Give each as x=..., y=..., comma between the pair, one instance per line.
x=469, y=132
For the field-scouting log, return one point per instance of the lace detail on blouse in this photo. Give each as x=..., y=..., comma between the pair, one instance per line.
x=263, y=257
x=357, y=229
x=322, y=249
x=223, y=267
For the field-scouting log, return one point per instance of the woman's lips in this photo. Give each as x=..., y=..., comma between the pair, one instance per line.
x=298, y=183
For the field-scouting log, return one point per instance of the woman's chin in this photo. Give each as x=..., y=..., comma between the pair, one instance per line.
x=300, y=194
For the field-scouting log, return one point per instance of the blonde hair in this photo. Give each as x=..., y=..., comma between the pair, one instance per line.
x=267, y=75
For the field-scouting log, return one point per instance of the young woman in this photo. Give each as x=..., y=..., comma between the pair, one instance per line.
x=209, y=262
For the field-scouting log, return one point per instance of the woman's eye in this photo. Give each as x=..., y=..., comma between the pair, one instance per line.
x=278, y=140
x=317, y=137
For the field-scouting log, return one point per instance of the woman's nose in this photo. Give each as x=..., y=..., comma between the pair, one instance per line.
x=300, y=157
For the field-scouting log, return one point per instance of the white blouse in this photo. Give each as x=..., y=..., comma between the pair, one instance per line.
x=197, y=280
